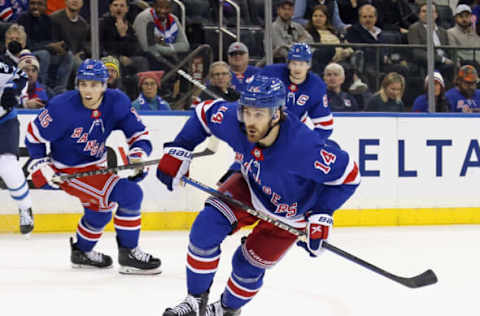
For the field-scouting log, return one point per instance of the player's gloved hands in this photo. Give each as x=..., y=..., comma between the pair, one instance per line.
x=9, y=98
x=43, y=174
x=137, y=155
x=174, y=164
x=318, y=227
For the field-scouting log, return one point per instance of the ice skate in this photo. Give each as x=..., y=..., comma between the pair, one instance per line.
x=191, y=306
x=90, y=259
x=217, y=309
x=26, y=221
x=136, y=261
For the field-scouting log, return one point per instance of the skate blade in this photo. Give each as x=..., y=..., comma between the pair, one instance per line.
x=88, y=267
x=135, y=271
x=27, y=236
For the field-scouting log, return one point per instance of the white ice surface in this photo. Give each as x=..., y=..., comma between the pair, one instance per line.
x=36, y=277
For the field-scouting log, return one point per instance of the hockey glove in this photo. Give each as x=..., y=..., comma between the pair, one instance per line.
x=174, y=164
x=318, y=227
x=9, y=98
x=137, y=155
x=43, y=174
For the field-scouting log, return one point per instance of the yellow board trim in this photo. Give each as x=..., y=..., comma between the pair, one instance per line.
x=342, y=218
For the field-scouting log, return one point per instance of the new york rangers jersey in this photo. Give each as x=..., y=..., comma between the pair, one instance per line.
x=77, y=135
x=10, y=10
x=458, y=101
x=238, y=80
x=286, y=179
x=306, y=100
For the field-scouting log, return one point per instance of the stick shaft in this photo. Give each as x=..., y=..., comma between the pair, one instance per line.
x=177, y=69
x=423, y=279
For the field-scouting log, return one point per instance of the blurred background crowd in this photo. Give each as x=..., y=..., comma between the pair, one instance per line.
x=370, y=53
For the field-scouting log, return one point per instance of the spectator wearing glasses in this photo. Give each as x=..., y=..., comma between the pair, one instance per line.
x=238, y=58
x=220, y=83
x=149, y=83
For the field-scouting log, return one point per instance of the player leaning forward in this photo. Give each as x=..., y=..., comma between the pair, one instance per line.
x=287, y=171
x=77, y=124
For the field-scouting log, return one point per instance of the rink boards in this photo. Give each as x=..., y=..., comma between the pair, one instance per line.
x=417, y=169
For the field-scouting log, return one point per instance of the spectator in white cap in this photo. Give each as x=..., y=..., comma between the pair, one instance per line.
x=36, y=96
x=441, y=103
x=463, y=34
x=238, y=59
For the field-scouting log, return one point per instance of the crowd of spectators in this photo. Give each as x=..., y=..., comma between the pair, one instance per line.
x=141, y=40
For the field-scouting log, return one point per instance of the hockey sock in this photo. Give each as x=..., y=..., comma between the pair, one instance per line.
x=127, y=219
x=13, y=176
x=90, y=228
x=127, y=225
x=245, y=281
x=208, y=231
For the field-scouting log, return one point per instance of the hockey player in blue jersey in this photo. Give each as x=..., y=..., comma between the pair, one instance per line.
x=306, y=96
x=77, y=124
x=298, y=182
x=12, y=81
x=306, y=92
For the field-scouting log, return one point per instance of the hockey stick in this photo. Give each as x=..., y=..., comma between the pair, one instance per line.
x=213, y=142
x=66, y=177
x=426, y=278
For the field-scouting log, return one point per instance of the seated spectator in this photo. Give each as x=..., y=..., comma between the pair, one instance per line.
x=149, y=83
x=238, y=58
x=71, y=28
x=463, y=34
x=162, y=38
x=417, y=34
x=304, y=9
x=348, y=10
x=465, y=97
x=53, y=54
x=365, y=32
x=36, y=93
x=394, y=15
x=11, y=10
x=338, y=101
x=389, y=97
x=441, y=103
x=160, y=32
x=322, y=31
x=15, y=41
x=114, y=79
x=285, y=32
x=220, y=83
x=117, y=37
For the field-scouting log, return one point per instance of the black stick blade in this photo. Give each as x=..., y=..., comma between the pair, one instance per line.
x=426, y=278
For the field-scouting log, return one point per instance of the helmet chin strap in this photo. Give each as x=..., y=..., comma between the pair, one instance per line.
x=269, y=130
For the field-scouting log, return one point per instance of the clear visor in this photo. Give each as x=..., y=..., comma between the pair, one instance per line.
x=253, y=114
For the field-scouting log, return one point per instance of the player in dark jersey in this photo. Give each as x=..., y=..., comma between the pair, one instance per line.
x=12, y=82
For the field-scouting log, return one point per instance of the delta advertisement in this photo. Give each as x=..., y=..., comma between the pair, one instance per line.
x=416, y=169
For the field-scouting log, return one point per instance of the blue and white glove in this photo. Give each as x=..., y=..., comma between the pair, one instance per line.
x=175, y=163
x=137, y=155
x=318, y=227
